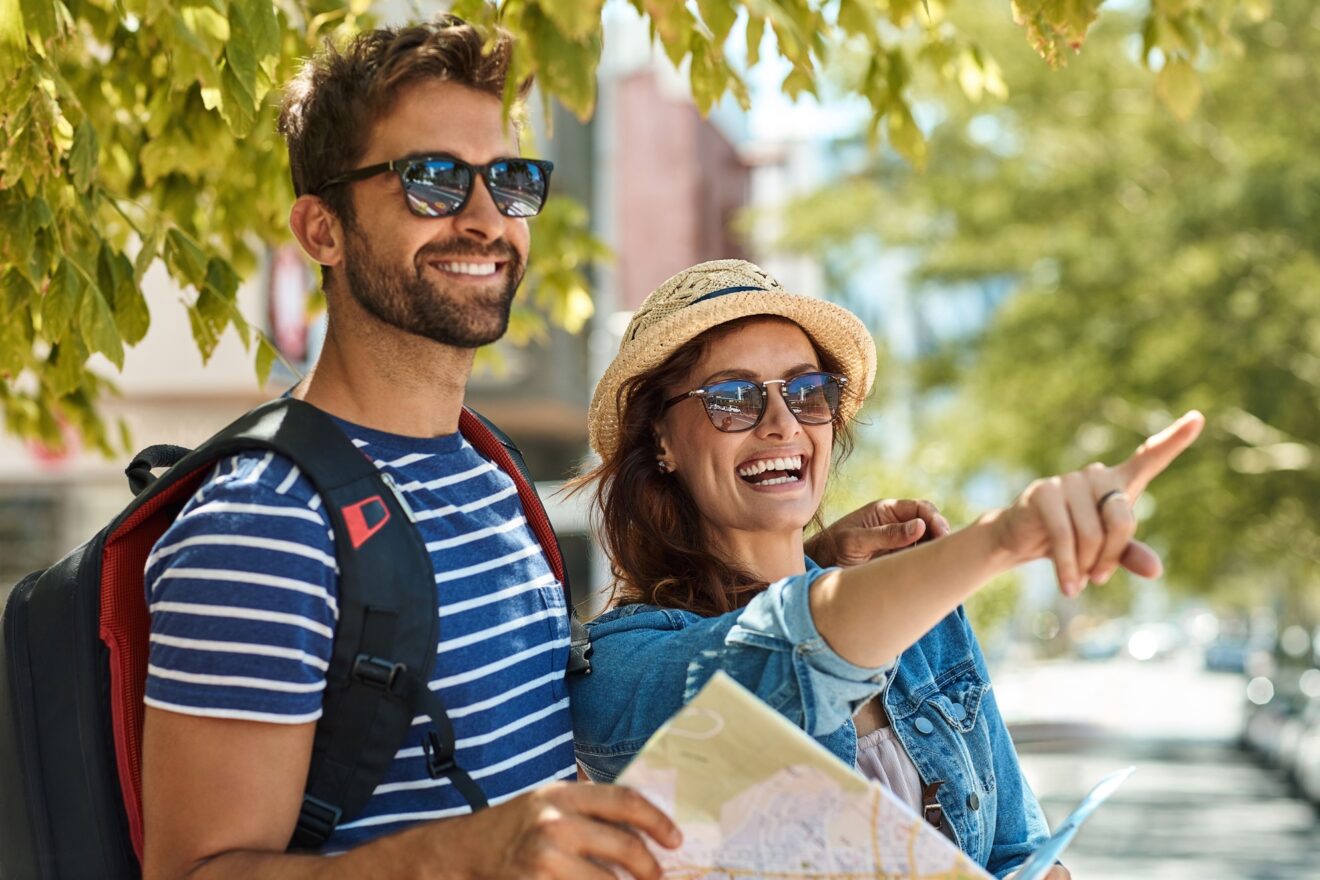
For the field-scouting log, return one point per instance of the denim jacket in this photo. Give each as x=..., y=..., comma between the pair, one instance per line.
x=649, y=661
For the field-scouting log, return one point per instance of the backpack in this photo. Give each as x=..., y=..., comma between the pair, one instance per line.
x=73, y=651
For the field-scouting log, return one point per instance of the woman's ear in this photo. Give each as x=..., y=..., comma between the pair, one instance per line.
x=664, y=461
x=318, y=230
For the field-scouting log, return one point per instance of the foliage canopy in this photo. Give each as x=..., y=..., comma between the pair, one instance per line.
x=140, y=130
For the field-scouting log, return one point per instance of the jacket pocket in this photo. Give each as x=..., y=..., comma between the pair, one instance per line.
x=958, y=697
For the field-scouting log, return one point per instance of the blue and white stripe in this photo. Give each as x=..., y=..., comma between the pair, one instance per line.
x=243, y=591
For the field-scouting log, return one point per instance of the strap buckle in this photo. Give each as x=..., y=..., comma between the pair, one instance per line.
x=377, y=672
x=316, y=822
x=931, y=810
x=439, y=757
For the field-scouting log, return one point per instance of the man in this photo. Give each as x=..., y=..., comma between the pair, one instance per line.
x=413, y=199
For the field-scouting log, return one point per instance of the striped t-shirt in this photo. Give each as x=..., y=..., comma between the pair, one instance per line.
x=242, y=593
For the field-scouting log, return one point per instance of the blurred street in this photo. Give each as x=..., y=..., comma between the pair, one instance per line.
x=1197, y=807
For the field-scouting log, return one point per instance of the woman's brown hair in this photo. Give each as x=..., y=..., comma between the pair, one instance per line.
x=647, y=523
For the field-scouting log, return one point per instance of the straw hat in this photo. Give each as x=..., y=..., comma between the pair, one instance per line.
x=710, y=294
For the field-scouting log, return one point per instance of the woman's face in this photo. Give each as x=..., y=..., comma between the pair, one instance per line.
x=726, y=473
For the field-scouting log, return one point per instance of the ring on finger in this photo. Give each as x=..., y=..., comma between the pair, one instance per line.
x=1109, y=496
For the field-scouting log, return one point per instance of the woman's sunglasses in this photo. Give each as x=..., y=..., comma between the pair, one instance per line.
x=440, y=186
x=738, y=404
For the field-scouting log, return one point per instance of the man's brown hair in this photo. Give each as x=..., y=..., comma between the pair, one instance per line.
x=330, y=108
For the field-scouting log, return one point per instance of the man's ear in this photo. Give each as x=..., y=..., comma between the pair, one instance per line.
x=318, y=230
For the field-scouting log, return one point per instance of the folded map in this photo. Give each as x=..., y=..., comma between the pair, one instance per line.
x=757, y=797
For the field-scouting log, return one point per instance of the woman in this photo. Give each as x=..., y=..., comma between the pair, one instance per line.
x=717, y=425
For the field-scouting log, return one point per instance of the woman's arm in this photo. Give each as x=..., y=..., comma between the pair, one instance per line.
x=1082, y=520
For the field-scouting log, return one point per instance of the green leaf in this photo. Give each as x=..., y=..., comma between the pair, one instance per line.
x=66, y=366
x=185, y=259
x=204, y=330
x=564, y=67
x=906, y=138
x=61, y=301
x=755, y=34
x=798, y=81
x=83, y=156
x=40, y=18
x=13, y=39
x=241, y=60
x=17, y=291
x=132, y=316
x=118, y=283
x=257, y=20
x=1179, y=88
x=577, y=19
x=191, y=60
x=238, y=106
x=97, y=323
x=18, y=229
x=857, y=17
x=719, y=16
x=265, y=359
x=674, y=25
x=708, y=75
x=146, y=254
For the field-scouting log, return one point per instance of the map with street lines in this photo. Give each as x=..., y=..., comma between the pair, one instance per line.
x=756, y=797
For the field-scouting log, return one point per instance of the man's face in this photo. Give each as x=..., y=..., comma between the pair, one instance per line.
x=449, y=279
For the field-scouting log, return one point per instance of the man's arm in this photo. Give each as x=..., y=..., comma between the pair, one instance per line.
x=221, y=798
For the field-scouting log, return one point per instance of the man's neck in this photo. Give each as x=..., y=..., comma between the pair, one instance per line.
x=381, y=378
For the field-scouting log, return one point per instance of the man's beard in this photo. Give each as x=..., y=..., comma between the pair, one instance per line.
x=421, y=306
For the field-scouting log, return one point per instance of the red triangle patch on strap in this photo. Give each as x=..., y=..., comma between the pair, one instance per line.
x=365, y=518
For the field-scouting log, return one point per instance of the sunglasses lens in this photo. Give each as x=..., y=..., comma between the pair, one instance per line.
x=734, y=406
x=436, y=187
x=518, y=187
x=813, y=398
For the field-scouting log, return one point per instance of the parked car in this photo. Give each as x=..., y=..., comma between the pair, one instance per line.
x=1306, y=757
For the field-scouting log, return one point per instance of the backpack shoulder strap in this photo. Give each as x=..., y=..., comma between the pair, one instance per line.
x=384, y=644
x=496, y=445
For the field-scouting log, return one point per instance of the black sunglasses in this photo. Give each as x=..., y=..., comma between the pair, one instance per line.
x=738, y=404
x=440, y=186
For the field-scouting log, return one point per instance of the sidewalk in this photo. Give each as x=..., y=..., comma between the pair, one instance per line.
x=1197, y=808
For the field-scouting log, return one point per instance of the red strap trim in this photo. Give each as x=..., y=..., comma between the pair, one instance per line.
x=124, y=629
x=490, y=446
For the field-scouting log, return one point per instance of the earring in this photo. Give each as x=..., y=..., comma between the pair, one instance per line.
x=663, y=466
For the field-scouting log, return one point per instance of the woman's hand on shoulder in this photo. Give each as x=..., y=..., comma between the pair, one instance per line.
x=1083, y=520
x=876, y=529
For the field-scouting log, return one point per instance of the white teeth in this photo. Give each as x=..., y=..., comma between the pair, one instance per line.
x=777, y=480
x=792, y=463
x=469, y=268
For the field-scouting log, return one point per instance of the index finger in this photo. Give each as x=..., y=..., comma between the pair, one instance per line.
x=624, y=806
x=1158, y=452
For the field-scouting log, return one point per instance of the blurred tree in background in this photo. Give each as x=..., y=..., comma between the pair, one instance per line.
x=1154, y=265
x=137, y=130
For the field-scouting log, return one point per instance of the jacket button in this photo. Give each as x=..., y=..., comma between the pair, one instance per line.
x=958, y=712
x=924, y=726
x=973, y=801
